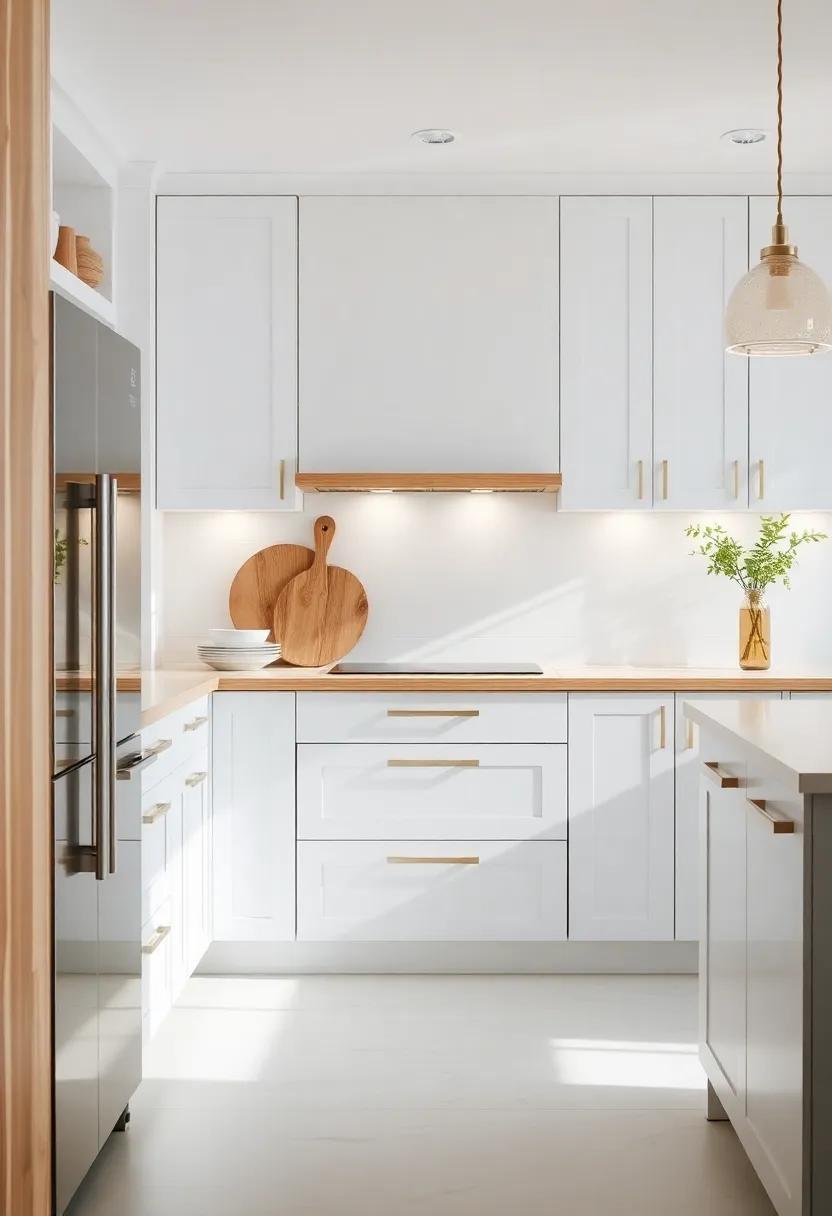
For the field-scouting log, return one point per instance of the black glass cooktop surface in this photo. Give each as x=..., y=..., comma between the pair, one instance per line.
x=438, y=669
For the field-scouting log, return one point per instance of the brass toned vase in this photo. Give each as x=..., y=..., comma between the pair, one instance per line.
x=755, y=633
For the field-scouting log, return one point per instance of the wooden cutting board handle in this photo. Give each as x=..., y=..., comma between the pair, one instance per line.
x=316, y=579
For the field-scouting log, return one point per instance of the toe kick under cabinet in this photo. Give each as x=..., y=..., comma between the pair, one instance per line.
x=426, y=818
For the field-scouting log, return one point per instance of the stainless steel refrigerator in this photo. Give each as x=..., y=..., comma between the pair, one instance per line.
x=97, y=758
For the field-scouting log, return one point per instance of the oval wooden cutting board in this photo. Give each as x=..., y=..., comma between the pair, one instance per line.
x=321, y=614
x=259, y=582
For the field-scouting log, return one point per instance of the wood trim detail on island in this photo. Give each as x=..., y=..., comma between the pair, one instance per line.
x=427, y=483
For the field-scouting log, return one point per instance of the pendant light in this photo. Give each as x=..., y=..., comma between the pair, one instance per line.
x=781, y=307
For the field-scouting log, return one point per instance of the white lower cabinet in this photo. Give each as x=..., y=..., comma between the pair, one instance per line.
x=254, y=816
x=413, y=890
x=400, y=792
x=176, y=863
x=688, y=771
x=621, y=834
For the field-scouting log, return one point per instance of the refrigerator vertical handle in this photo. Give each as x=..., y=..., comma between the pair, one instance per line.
x=112, y=693
x=102, y=657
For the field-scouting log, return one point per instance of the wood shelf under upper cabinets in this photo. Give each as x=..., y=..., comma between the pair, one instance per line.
x=426, y=483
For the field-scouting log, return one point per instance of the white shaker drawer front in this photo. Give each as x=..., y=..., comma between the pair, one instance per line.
x=374, y=792
x=422, y=717
x=456, y=890
x=174, y=739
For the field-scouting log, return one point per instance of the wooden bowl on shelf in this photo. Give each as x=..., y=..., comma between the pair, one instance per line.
x=89, y=261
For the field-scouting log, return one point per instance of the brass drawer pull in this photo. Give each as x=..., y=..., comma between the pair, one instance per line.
x=665, y=478
x=196, y=779
x=433, y=713
x=158, y=811
x=433, y=763
x=761, y=485
x=640, y=473
x=282, y=478
x=712, y=770
x=781, y=825
x=662, y=727
x=156, y=940
x=736, y=479
x=195, y=725
x=433, y=861
x=161, y=746
x=64, y=713
x=691, y=737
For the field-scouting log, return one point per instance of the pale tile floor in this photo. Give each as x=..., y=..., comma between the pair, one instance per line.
x=428, y=1095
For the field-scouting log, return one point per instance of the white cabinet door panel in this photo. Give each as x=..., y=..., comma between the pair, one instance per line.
x=423, y=717
x=428, y=334
x=352, y=891
x=774, y=1018
x=254, y=816
x=606, y=352
x=700, y=393
x=791, y=399
x=436, y=792
x=620, y=817
x=689, y=761
x=723, y=946
x=226, y=411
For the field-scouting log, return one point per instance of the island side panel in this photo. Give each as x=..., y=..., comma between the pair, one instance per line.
x=819, y=1044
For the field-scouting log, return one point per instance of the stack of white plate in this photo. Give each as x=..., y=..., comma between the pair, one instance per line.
x=238, y=649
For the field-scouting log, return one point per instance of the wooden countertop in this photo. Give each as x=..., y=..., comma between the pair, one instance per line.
x=795, y=735
x=164, y=690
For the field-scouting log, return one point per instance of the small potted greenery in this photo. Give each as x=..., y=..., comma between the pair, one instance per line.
x=769, y=561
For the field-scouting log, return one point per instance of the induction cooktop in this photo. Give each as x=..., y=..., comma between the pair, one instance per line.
x=437, y=669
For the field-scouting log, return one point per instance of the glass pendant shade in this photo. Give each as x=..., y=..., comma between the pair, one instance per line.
x=779, y=308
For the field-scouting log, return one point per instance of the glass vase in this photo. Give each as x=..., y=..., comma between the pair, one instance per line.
x=755, y=633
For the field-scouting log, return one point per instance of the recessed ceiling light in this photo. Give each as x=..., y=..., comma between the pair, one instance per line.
x=744, y=136
x=433, y=135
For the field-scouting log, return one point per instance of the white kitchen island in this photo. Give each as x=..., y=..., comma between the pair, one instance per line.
x=766, y=938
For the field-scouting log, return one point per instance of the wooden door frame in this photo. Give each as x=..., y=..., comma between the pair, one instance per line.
x=25, y=616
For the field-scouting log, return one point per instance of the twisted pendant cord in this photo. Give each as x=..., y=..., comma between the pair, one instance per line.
x=779, y=111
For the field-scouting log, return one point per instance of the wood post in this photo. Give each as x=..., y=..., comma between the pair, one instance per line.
x=25, y=615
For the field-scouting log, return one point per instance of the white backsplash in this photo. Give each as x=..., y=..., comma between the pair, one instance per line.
x=504, y=577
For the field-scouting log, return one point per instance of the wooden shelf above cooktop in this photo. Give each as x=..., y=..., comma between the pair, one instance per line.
x=429, y=483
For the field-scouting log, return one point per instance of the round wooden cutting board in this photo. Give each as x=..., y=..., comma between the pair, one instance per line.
x=321, y=614
x=259, y=582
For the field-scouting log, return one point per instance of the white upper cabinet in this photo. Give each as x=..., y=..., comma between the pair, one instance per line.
x=428, y=334
x=226, y=353
x=606, y=352
x=791, y=399
x=700, y=393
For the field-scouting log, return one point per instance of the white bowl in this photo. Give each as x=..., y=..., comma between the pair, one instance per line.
x=237, y=637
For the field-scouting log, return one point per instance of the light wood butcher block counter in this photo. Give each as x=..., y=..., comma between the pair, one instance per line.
x=165, y=690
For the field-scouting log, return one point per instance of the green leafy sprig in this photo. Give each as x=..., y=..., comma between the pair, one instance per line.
x=769, y=561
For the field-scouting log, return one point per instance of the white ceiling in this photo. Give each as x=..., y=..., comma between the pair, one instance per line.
x=528, y=86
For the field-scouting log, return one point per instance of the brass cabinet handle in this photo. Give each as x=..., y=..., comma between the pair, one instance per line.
x=156, y=812
x=690, y=736
x=761, y=483
x=781, y=825
x=161, y=746
x=736, y=479
x=64, y=713
x=713, y=771
x=195, y=725
x=433, y=763
x=196, y=779
x=640, y=474
x=433, y=713
x=282, y=476
x=433, y=861
x=662, y=727
x=665, y=478
x=156, y=940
